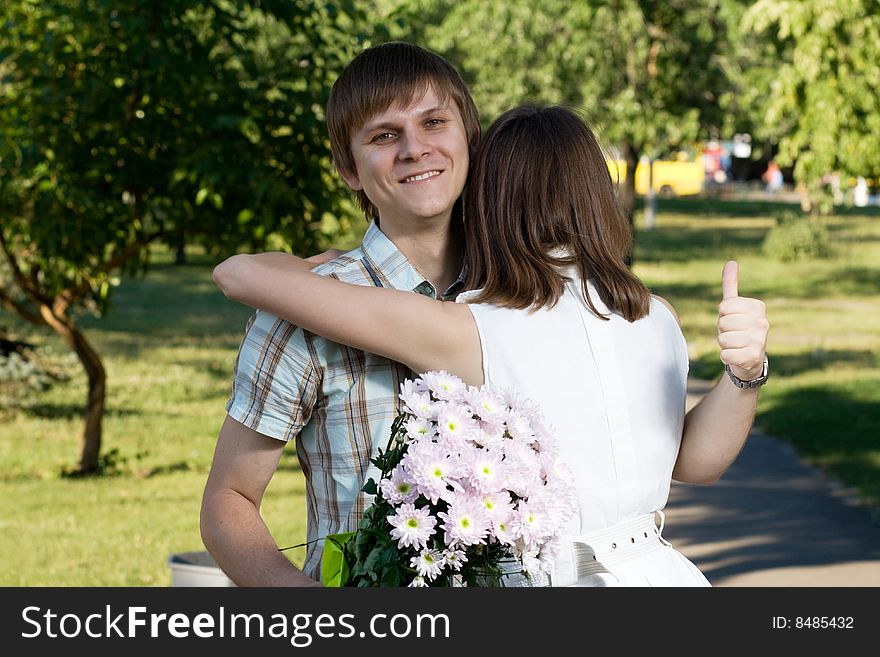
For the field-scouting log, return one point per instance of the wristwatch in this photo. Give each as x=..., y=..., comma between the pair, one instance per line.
x=754, y=383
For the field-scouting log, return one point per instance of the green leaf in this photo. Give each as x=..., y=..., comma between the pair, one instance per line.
x=334, y=567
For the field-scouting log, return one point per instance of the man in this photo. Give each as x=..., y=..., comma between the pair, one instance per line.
x=402, y=130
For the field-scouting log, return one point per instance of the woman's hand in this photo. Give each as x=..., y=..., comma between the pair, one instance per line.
x=742, y=327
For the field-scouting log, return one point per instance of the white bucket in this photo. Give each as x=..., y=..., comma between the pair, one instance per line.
x=196, y=569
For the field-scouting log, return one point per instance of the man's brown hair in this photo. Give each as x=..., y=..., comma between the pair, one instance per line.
x=393, y=73
x=540, y=197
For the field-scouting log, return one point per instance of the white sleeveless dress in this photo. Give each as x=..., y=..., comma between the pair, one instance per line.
x=614, y=393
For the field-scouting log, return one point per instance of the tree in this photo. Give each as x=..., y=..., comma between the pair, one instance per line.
x=649, y=74
x=823, y=102
x=125, y=125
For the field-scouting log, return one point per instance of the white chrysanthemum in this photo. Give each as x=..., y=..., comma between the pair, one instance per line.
x=498, y=505
x=420, y=405
x=412, y=386
x=561, y=499
x=399, y=488
x=504, y=530
x=412, y=527
x=417, y=582
x=525, y=406
x=454, y=558
x=522, y=472
x=444, y=385
x=531, y=563
x=428, y=563
x=433, y=469
x=489, y=436
x=487, y=405
x=518, y=426
x=466, y=522
x=454, y=422
x=553, y=507
x=546, y=452
x=485, y=470
x=548, y=552
x=419, y=427
x=531, y=522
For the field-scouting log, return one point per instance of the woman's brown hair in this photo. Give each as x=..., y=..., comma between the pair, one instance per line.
x=540, y=197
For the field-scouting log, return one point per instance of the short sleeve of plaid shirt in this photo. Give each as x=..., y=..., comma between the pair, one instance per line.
x=276, y=379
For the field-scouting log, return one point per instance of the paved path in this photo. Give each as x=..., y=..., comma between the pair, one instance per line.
x=773, y=521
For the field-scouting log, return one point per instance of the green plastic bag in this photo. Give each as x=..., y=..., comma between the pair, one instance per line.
x=334, y=569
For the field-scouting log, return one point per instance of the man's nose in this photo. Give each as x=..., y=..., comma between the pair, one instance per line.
x=414, y=146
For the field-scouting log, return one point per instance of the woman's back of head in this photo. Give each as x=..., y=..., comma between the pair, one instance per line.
x=540, y=196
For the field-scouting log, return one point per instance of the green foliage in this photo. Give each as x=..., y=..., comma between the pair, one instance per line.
x=796, y=237
x=181, y=119
x=650, y=75
x=818, y=91
x=177, y=121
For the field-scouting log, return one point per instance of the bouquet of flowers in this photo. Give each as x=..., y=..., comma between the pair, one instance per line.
x=470, y=485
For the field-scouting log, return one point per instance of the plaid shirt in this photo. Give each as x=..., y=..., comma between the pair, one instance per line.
x=338, y=403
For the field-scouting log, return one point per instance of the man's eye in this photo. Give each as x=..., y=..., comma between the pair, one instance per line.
x=436, y=122
x=385, y=136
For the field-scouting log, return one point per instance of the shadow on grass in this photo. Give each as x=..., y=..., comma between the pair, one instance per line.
x=174, y=303
x=841, y=281
x=840, y=415
x=836, y=426
x=709, y=367
x=169, y=468
x=743, y=208
x=680, y=244
x=68, y=411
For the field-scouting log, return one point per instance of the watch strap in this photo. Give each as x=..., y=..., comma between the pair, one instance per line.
x=754, y=383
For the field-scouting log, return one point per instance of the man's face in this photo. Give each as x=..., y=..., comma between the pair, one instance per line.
x=411, y=161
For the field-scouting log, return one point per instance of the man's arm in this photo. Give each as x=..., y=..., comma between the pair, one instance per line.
x=715, y=430
x=422, y=333
x=231, y=526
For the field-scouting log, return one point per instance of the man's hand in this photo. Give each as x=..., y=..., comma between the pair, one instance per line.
x=742, y=327
x=321, y=258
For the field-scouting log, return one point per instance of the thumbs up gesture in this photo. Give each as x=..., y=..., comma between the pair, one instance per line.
x=742, y=327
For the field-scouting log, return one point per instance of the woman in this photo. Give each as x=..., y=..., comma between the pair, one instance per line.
x=556, y=315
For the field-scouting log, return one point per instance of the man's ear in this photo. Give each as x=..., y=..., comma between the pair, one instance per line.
x=351, y=179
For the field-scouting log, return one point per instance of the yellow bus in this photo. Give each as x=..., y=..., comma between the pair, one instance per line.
x=671, y=177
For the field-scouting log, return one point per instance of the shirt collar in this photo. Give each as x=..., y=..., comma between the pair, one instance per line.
x=388, y=259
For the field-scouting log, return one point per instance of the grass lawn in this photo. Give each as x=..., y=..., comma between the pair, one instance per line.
x=824, y=392
x=169, y=343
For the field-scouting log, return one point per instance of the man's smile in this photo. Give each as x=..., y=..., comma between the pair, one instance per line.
x=421, y=176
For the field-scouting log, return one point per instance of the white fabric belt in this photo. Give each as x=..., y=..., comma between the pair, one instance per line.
x=592, y=553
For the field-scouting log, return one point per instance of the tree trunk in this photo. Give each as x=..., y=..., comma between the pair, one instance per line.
x=97, y=377
x=180, y=248
x=628, y=192
x=94, y=402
